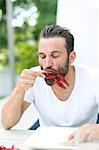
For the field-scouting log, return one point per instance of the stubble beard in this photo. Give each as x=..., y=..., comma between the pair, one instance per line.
x=62, y=71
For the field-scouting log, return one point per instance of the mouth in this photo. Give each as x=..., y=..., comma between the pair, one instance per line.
x=56, y=77
x=48, y=73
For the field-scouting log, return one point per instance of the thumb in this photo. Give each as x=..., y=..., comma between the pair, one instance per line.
x=71, y=136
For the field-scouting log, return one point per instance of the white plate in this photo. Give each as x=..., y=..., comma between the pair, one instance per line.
x=51, y=138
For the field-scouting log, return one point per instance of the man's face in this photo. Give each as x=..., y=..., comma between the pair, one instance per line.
x=53, y=57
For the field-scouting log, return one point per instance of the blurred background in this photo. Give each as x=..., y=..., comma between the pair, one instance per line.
x=21, y=22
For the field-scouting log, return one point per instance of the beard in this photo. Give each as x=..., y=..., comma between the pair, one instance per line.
x=62, y=71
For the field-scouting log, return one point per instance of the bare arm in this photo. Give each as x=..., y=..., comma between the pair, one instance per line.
x=86, y=133
x=15, y=106
x=12, y=110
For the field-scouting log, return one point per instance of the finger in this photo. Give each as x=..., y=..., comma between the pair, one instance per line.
x=26, y=81
x=31, y=72
x=30, y=77
x=26, y=71
x=40, y=74
x=26, y=86
x=71, y=136
x=80, y=136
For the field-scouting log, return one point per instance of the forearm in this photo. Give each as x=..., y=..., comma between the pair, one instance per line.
x=13, y=109
x=11, y=112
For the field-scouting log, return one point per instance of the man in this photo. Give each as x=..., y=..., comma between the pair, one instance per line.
x=74, y=105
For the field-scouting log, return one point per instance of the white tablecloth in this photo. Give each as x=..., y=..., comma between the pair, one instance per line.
x=14, y=137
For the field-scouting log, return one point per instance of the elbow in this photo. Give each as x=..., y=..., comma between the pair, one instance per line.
x=5, y=121
x=5, y=125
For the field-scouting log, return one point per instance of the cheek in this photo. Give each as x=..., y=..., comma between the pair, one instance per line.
x=40, y=61
x=60, y=63
x=57, y=65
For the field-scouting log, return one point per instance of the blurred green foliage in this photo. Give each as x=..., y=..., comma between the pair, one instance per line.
x=26, y=36
x=3, y=58
x=26, y=56
x=47, y=15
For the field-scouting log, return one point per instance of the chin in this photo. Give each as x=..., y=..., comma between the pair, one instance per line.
x=49, y=82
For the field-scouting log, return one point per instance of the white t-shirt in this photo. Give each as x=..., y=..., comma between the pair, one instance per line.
x=80, y=108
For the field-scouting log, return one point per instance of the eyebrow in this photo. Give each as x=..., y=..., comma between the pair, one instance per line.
x=56, y=52
x=51, y=52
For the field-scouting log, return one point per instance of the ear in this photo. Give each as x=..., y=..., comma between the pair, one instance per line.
x=72, y=57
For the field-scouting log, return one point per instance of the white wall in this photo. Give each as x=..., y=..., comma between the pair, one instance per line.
x=82, y=18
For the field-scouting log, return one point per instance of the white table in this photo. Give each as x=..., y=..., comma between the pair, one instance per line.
x=18, y=137
x=14, y=137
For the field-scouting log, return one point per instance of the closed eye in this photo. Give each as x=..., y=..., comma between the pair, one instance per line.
x=42, y=56
x=55, y=54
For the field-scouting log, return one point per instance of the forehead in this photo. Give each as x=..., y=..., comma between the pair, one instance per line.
x=54, y=43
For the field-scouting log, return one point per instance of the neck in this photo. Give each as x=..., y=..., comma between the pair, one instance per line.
x=70, y=75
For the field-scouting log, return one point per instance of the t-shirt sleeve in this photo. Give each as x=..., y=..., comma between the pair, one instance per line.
x=97, y=87
x=29, y=95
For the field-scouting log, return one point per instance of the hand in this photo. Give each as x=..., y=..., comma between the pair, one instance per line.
x=87, y=132
x=27, y=79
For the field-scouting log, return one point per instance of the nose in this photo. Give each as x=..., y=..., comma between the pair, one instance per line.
x=48, y=63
